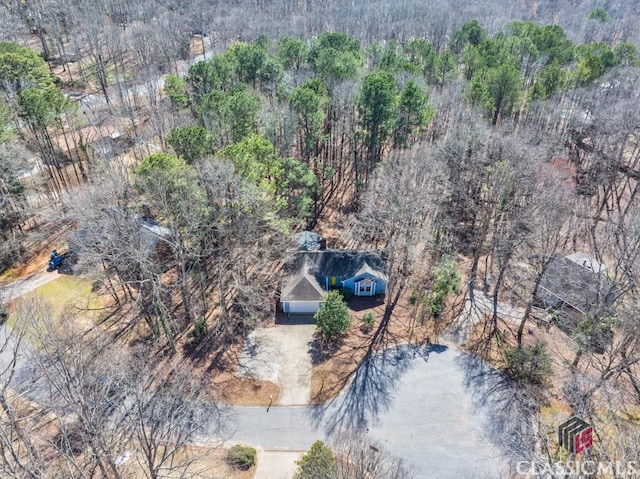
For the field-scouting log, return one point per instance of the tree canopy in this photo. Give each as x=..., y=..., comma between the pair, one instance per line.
x=21, y=68
x=333, y=318
x=317, y=463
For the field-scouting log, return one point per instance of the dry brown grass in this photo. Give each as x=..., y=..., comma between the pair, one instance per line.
x=205, y=462
x=237, y=390
x=245, y=391
x=221, y=367
x=561, y=348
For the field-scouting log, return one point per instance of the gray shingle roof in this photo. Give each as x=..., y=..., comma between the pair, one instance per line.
x=577, y=286
x=309, y=269
x=151, y=233
x=343, y=264
x=302, y=287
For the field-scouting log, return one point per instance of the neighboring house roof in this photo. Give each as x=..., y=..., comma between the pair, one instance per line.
x=577, y=286
x=151, y=233
x=587, y=262
x=309, y=270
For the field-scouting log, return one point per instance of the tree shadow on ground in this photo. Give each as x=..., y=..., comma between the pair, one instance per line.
x=350, y=354
x=294, y=319
x=363, y=303
x=321, y=351
x=505, y=411
x=371, y=390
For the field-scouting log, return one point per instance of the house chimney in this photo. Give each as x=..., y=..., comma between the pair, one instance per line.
x=323, y=244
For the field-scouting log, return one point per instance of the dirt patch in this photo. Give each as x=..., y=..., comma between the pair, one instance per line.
x=203, y=462
x=241, y=391
x=214, y=359
x=245, y=391
x=562, y=351
x=211, y=460
x=37, y=258
x=334, y=366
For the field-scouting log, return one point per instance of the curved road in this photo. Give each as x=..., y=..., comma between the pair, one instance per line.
x=437, y=408
x=444, y=412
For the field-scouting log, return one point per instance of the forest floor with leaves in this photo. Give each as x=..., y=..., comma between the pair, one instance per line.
x=75, y=304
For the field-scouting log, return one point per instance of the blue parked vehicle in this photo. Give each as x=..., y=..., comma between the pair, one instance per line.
x=55, y=260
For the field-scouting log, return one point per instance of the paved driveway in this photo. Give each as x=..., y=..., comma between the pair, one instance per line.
x=441, y=410
x=281, y=355
x=11, y=291
x=276, y=464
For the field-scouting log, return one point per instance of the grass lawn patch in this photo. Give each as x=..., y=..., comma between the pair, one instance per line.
x=72, y=296
x=67, y=298
x=69, y=291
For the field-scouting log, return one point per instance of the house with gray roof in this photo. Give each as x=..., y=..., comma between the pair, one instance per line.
x=574, y=284
x=154, y=238
x=313, y=273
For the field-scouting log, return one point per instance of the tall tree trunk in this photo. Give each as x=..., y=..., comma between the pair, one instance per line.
x=527, y=310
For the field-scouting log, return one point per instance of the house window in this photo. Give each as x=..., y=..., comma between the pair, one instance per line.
x=366, y=287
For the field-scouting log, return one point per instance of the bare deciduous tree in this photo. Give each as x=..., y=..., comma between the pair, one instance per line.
x=358, y=456
x=21, y=453
x=99, y=402
x=397, y=215
x=165, y=415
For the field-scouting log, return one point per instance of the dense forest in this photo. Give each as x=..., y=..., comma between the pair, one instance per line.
x=467, y=141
